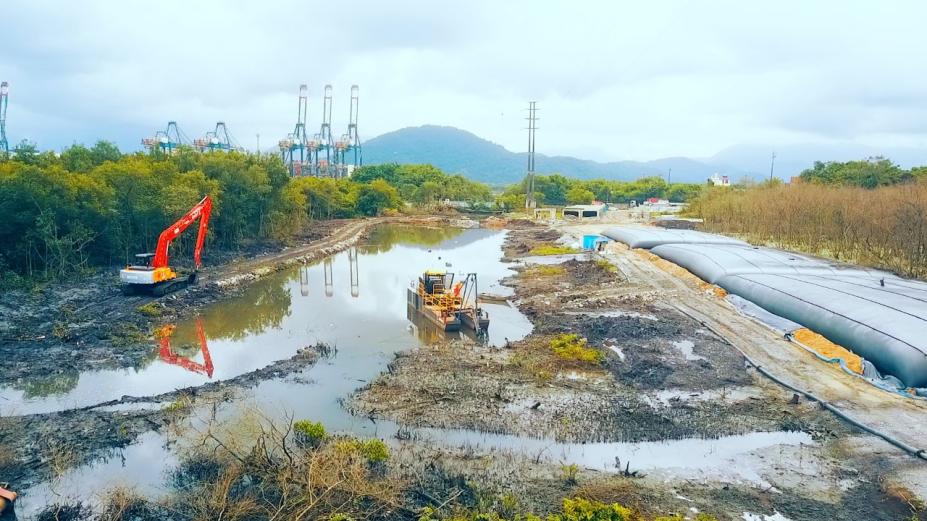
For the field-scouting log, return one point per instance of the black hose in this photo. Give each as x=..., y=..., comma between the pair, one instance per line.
x=914, y=451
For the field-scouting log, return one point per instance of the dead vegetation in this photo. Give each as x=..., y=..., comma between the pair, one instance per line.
x=885, y=227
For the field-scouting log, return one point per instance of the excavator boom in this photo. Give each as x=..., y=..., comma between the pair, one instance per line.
x=200, y=210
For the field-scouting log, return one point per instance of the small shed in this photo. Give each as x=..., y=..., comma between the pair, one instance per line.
x=545, y=213
x=585, y=211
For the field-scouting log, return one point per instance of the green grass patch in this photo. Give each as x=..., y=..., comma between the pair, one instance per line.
x=373, y=450
x=552, y=249
x=570, y=346
x=544, y=271
x=573, y=509
x=151, y=309
x=177, y=405
x=606, y=266
x=310, y=432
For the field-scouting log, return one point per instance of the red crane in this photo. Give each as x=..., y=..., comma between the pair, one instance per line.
x=155, y=275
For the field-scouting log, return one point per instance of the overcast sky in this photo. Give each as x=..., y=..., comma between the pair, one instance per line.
x=613, y=80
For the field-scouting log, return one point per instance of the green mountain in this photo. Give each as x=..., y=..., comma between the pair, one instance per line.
x=459, y=151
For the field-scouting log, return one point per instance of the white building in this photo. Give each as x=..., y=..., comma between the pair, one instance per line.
x=719, y=180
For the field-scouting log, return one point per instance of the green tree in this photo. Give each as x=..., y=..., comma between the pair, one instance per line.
x=374, y=198
x=26, y=152
x=579, y=195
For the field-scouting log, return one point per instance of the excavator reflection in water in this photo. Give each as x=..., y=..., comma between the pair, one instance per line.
x=168, y=355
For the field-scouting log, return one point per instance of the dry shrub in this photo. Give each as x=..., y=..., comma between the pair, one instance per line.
x=884, y=228
x=257, y=470
x=901, y=493
x=121, y=503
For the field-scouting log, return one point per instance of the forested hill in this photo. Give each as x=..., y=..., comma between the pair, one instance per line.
x=459, y=151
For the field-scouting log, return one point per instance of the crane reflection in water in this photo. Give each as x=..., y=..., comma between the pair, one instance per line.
x=327, y=265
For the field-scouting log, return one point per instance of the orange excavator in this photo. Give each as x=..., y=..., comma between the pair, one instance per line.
x=153, y=275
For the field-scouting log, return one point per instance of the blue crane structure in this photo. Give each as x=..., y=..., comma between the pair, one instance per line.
x=322, y=143
x=217, y=139
x=297, y=141
x=168, y=141
x=4, y=100
x=348, y=153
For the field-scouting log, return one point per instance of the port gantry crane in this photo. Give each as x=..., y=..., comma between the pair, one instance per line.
x=296, y=141
x=167, y=141
x=217, y=139
x=348, y=153
x=322, y=142
x=4, y=100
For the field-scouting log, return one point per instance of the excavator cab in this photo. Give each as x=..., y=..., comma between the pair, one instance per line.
x=152, y=274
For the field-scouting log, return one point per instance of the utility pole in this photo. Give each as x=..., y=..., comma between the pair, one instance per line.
x=4, y=101
x=772, y=165
x=259, y=144
x=532, y=127
x=669, y=176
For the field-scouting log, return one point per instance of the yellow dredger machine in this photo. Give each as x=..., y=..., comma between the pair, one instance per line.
x=447, y=304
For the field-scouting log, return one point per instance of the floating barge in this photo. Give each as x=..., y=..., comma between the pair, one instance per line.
x=448, y=305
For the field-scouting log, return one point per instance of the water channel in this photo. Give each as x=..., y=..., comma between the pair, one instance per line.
x=355, y=301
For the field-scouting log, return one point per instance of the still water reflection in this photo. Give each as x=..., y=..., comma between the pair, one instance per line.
x=354, y=300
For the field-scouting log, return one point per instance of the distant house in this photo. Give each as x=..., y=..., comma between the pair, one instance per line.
x=719, y=180
x=656, y=201
x=581, y=211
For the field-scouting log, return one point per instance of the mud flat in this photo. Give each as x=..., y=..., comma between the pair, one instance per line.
x=658, y=411
x=38, y=446
x=615, y=396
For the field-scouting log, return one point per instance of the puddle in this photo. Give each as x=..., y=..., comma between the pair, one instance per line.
x=666, y=397
x=686, y=348
x=554, y=259
x=354, y=300
x=760, y=517
x=618, y=351
x=686, y=457
x=140, y=466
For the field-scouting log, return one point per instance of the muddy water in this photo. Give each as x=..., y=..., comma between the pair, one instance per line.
x=354, y=301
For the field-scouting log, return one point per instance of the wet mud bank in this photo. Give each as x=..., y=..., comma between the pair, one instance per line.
x=612, y=362
x=37, y=447
x=54, y=332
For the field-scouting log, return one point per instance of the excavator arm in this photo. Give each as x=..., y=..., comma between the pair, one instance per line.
x=200, y=211
x=167, y=354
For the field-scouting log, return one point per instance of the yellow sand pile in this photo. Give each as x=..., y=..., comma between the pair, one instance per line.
x=682, y=273
x=828, y=349
x=493, y=222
